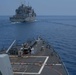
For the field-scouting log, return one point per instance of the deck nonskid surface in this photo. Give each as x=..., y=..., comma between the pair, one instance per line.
x=44, y=62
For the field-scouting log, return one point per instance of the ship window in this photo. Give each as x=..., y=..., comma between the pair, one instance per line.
x=0, y=73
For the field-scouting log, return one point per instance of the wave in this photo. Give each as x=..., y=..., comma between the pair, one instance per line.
x=15, y=22
x=59, y=23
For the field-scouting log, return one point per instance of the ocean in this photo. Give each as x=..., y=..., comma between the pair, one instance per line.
x=58, y=31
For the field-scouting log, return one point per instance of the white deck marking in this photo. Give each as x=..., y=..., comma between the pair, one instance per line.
x=24, y=73
x=35, y=56
x=43, y=65
x=25, y=69
x=57, y=64
x=10, y=46
x=34, y=72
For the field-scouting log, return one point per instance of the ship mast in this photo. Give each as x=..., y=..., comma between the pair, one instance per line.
x=22, y=2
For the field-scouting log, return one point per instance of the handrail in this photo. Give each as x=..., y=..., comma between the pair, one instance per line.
x=10, y=46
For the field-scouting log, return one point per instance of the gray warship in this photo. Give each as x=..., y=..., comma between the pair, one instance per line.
x=35, y=57
x=24, y=14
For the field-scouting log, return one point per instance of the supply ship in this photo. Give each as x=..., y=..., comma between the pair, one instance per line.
x=24, y=14
x=34, y=57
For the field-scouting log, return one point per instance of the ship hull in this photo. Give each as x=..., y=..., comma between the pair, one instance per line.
x=28, y=19
x=41, y=60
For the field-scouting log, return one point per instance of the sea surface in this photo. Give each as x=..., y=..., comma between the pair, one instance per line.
x=59, y=31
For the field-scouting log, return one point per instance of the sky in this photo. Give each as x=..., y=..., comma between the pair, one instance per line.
x=41, y=7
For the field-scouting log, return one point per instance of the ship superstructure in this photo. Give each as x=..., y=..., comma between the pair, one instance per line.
x=24, y=14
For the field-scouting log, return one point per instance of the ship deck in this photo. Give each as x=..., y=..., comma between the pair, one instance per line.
x=44, y=62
